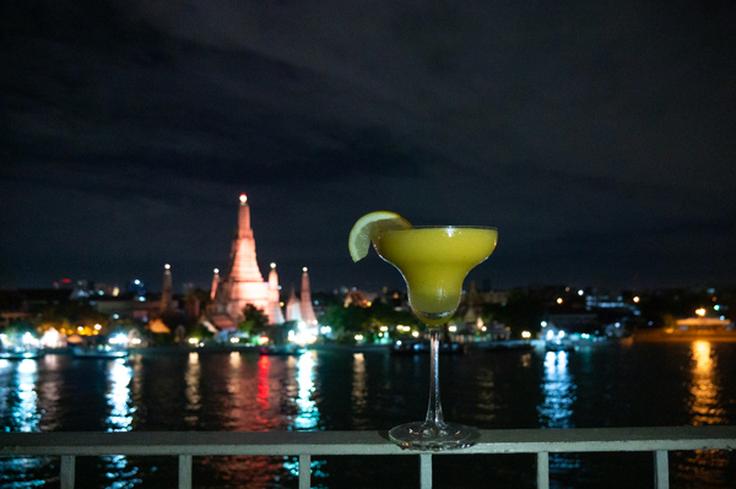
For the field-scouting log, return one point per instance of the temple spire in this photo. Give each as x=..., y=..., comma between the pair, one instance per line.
x=275, y=313
x=166, y=290
x=244, y=283
x=307, y=310
x=215, y=283
x=293, y=307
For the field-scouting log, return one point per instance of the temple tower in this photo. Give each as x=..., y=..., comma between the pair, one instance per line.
x=244, y=283
x=166, y=290
x=307, y=310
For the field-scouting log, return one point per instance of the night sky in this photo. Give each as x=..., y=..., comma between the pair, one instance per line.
x=598, y=136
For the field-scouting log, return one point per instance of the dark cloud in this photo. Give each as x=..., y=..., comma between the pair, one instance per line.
x=598, y=137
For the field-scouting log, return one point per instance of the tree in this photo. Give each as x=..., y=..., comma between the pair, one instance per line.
x=255, y=320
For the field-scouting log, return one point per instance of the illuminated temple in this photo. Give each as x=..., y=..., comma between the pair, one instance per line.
x=244, y=283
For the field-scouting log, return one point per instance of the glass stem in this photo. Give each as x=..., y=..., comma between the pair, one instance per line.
x=434, y=407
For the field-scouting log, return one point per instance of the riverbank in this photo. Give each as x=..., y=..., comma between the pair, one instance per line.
x=662, y=336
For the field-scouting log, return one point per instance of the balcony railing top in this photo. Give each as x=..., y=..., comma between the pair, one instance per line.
x=363, y=442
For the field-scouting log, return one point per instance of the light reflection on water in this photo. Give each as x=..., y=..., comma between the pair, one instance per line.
x=704, y=390
x=118, y=397
x=706, y=407
x=191, y=390
x=120, y=473
x=307, y=415
x=358, y=393
x=25, y=412
x=21, y=398
x=559, y=394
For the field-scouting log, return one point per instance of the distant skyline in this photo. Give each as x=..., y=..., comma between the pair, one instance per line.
x=598, y=138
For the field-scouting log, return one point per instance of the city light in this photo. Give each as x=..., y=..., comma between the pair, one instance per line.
x=51, y=339
x=243, y=199
x=135, y=341
x=215, y=271
x=383, y=329
x=98, y=327
x=273, y=265
x=234, y=339
x=550, y=335
x=543, y=324
x=559, y=300
x=193, y=341
x=167, y=266
x=581, y=292
x=118, y=339
x=700, y=312
x=305, y=269
x=358, y=337
x=526, y=334
x=415, y=334
x=717, y=307
x=325, y=330
x=636, y=299
x=452, y=328
x=29, y=340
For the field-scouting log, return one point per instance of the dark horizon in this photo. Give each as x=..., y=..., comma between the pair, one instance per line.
x=597, y=138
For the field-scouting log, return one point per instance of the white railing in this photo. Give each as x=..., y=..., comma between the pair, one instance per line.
x=305, y=445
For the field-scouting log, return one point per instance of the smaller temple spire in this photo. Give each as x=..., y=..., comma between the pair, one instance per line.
x=275, y=314
x=166, y=290
x=293, y=307
x=215, y=283
x=307, y=310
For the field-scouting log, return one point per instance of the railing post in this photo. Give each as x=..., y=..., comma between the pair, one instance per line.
x=425, y=470
x=67, y=472
x=543, y=470
x=661, y=470
x=305, y=471
x=185, y=472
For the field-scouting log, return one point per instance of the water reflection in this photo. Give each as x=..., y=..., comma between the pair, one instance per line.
x=25, y=412
x=307, y=413
x=358, y=393
x=191, y=390
x=704, y=390
x=705, y=466
x=118, y=471
x=559, y=392
x=19, y=397
x=118, y=397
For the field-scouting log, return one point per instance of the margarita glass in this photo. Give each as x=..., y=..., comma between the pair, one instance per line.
x=434, y=261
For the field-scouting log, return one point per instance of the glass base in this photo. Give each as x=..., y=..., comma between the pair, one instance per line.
x=421, y=435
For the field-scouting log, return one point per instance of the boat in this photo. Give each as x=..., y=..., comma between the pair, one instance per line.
x=504, y=345
x=20, y=354
x=282, y=350
x=100, y=351
x=412, y=347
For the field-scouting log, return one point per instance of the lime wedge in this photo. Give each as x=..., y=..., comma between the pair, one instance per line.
x=368, y=227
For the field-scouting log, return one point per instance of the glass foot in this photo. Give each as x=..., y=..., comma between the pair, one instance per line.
x=428, y=436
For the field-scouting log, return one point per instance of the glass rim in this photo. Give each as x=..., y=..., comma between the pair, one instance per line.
x=446, y=226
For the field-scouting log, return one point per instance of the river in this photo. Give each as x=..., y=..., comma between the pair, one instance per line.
x=610, y=385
